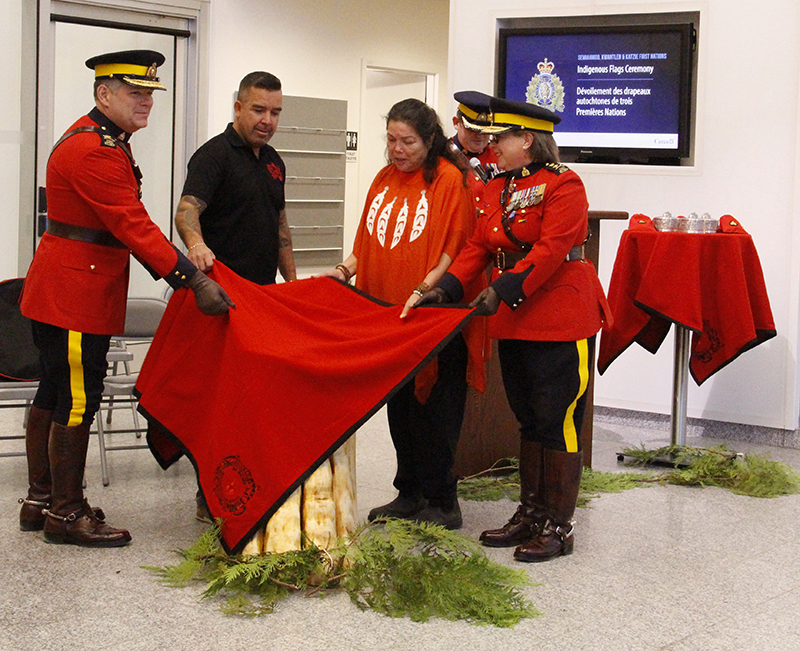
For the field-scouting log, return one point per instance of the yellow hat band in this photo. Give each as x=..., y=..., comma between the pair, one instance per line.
x=523, y=121
x=466, y=110
x=109, y=69
x=509, y=119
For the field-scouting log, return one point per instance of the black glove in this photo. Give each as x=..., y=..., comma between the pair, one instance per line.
x=433, y=297
x=487, y=302
x=209, y=295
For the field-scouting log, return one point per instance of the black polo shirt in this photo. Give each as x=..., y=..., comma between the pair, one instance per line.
x=244, y=197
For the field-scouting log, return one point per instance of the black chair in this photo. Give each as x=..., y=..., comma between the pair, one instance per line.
x=19, y=357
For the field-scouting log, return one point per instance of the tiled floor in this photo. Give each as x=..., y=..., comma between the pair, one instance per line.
x=678, y=569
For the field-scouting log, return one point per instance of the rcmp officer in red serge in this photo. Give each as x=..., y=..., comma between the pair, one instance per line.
x=471, y=142
x=76, y=290
x=548, y=305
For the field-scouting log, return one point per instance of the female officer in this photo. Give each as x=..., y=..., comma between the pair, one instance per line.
x=548, y=305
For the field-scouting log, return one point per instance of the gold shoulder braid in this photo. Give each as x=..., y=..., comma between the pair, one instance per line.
x=556, y=168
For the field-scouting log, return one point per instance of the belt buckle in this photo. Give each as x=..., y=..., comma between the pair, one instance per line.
x=500, y=260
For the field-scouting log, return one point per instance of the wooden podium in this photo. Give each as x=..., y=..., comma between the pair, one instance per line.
x=490, y=431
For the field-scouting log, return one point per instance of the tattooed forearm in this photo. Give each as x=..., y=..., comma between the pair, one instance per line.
x=285, y=252
x=284, y=232
x=187, y=217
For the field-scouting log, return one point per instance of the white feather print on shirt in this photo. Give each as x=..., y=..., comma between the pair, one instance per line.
x=383, y=222
x=420, y=218
x=400, y=224
x=373, y=209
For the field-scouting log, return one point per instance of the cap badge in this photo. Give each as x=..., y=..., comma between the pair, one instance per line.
x=546, y=89
x=152, y=71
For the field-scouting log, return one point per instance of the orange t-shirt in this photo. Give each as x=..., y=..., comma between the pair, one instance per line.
x=406, y=226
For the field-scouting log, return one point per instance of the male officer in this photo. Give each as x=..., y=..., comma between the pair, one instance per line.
x=76, y=290
x=473, y=112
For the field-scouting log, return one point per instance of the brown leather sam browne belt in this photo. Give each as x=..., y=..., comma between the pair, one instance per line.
x=506, y=259
x=83, y=234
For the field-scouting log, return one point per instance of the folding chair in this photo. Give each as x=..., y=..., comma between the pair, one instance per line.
x=141, y=322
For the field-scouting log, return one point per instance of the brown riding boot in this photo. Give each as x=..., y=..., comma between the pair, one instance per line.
x=37, y=434
x=71, y=520
x=527, y=521
x=562, y=481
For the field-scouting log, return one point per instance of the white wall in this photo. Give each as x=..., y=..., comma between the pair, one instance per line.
x=745, y=164
x=11, y=134
x=318, y=49
x=746, y=157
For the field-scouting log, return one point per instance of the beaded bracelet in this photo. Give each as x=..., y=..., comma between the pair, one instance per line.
x=194, y=246
x=422, y=288
x=345, y=271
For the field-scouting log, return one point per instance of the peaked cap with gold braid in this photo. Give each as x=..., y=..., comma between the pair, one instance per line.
x=133, y=67
x=509, y=115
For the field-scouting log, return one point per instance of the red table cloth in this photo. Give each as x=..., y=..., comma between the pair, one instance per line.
x=259, y=398
x=711, y=283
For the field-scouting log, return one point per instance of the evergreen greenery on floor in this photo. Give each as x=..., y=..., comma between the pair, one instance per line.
x=744, y=474
x=748, y=474
x=399, y=568
x=419, y=570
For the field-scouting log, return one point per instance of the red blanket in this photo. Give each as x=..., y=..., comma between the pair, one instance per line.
x=710, y=283
x=258, y=399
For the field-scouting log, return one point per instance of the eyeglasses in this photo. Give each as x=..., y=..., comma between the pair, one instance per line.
x=497, y=137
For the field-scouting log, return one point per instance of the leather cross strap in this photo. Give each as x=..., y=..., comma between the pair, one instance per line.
x=83, y=234
x=121, y=144
x=75, y=131
x=508, y=215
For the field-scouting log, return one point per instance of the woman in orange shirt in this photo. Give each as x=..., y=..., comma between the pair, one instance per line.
x=417, y=217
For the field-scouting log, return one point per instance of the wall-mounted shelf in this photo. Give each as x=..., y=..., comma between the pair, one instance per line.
x=316, y=130
x=315, y=179
x=319, y=249
x=313, y=146
x=311, y=152
x=315, y=201
x=315, y=228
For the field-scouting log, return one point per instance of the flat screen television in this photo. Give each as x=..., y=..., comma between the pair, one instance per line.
x=623, y=92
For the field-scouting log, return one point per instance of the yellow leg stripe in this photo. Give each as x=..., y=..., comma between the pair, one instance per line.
x=75, y=359
x=570, y=433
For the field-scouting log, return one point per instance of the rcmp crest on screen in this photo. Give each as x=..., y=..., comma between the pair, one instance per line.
x=546, y=89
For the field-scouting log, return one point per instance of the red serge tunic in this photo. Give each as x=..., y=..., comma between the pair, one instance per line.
x=83, y=286
x=487, y=159
x=406, y=226
x=544, y=298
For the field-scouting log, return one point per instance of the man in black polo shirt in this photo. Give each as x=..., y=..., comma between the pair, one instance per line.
x=233, y=207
